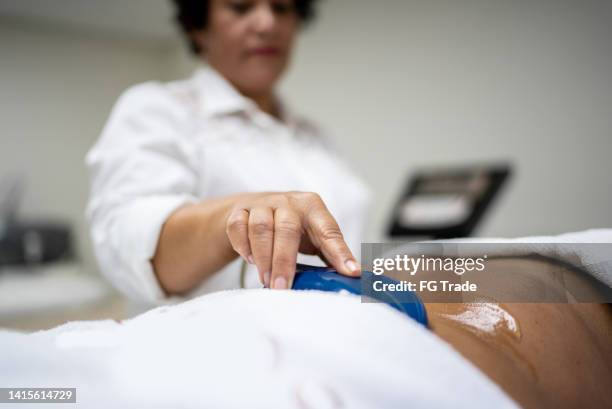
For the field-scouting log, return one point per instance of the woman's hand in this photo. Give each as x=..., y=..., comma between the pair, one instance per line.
x=269, y=229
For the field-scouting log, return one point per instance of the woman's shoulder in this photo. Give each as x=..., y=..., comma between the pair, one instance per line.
x=314, y=132
x=176, y=98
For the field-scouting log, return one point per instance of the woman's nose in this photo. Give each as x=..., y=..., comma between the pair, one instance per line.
x=264, y=18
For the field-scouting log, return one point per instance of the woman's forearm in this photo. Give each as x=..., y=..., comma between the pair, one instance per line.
x=267, y=228
x=193, y=244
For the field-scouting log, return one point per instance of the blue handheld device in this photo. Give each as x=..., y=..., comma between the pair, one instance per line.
x=327, y=279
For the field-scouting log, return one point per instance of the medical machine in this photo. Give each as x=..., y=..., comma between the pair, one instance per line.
x=28, y=242
x=327, y=279
x=446, y=203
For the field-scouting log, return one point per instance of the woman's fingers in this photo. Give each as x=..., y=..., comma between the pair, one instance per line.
x=261, y=238
x=325, y=233
x=287, y=234
x=269, y=230
x=237, y=232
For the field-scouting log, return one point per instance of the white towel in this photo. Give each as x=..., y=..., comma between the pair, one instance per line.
x=251, y=349
x=571, y=248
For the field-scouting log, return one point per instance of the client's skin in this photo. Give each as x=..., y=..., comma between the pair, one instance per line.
x=542, y=354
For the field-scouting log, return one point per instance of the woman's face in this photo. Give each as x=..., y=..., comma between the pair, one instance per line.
x=249, y=41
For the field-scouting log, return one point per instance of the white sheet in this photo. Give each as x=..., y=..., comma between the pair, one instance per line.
x=596, y=260
x=251, y=349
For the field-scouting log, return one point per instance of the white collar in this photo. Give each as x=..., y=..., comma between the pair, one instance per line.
x=219, y=97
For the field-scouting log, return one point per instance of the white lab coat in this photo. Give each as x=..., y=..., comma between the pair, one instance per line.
x=168, y=144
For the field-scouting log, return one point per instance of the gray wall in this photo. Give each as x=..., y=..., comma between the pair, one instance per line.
x=405, y=84
x=57, y=88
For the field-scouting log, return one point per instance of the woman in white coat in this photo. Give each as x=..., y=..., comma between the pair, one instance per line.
x=192, y=176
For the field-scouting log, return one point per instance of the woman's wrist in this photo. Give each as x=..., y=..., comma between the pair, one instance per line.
x=193, y=245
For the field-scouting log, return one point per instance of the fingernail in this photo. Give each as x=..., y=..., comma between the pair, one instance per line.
x=266, y=278
x=280, y=283
x=352, y=266
x=250, y=258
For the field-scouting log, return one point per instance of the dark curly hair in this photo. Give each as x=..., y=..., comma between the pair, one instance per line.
x=192, y=15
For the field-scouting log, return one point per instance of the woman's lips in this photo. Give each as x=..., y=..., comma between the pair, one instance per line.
x=265, y=51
